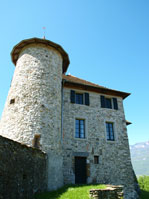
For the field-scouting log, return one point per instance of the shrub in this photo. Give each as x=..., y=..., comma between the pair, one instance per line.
x=144, y=182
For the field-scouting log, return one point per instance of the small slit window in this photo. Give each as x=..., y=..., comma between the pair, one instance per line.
x=12, y=101
x=36, y=141
x=96, y=159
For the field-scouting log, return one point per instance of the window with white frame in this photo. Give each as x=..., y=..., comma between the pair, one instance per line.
x=80, y=128
x=110, y=131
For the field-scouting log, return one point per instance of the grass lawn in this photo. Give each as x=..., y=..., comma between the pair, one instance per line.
x=144, y=186
x=70, y=192
x=82, y=191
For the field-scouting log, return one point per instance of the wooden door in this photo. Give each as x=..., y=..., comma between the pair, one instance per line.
x=80, y=170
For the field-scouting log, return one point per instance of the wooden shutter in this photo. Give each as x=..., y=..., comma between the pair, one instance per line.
x=72, y=96
x=87, y=100
x=115, y=103
x=102, y=99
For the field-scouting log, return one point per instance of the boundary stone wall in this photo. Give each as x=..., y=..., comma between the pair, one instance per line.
x=22, y=170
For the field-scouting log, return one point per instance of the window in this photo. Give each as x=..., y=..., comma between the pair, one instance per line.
x=96, y=159
x=36, y=141
x=110, y=131
x=79, y=128
x=109, y=102
x=12, y=101
x=79, y=98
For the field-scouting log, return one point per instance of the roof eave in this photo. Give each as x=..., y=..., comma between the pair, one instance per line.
x=17, y=49
x=103, y=90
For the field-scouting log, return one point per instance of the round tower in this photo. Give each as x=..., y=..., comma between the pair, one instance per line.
x=32, y=113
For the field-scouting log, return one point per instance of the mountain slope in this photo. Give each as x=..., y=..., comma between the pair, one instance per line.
x=140, y=158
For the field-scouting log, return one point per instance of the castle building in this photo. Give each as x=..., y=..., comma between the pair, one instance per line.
x=80, y=125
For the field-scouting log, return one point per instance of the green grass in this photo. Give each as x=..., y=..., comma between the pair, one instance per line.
x=144, y=186
x=70, y=192
x=82, y=191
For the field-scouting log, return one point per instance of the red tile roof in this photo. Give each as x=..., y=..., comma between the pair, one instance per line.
x=75, y=82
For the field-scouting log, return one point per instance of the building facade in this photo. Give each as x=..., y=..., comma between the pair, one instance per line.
x=80, y=125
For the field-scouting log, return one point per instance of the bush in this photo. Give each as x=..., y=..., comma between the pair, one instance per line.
x=144, y=182
x=144, y=186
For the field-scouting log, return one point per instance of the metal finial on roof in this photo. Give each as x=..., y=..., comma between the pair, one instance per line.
x=44, y=28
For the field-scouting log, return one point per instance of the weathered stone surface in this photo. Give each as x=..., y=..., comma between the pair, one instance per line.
x=33, y=115
x=36, y=108
x=22, y=170
x=110, y=192
x=114, y=157
x=36, y=88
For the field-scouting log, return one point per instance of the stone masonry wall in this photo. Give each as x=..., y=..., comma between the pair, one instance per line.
x=114, y=156
x=111, y=192
x=22, y=170
x=33, y=106
x=36, y=90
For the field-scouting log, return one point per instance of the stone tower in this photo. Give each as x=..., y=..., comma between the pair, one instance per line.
x=32, y=113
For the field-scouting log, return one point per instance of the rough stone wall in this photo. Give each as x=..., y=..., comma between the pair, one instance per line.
x=111, y=192
x=22, y=170
x=33, y=104
x=114, y=157
x=36, y=88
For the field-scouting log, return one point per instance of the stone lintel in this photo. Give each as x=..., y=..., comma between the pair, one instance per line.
x=81, y=154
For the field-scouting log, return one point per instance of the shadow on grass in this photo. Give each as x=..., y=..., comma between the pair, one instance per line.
x=57, y=193
x=144, y=194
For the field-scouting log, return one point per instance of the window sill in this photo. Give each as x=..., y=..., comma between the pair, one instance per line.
x=81, y=104
x=80, y=139
x=111, y=141
x=112, y=109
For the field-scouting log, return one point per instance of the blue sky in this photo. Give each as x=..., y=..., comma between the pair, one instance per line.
x=107, y=42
